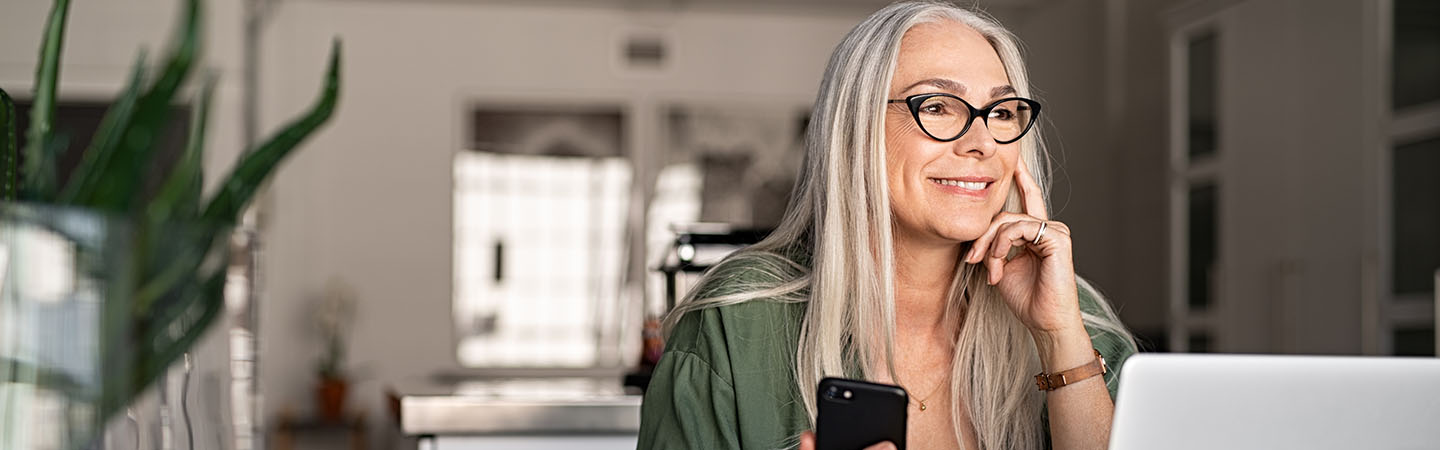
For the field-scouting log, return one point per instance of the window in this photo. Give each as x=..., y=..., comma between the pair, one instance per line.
x=541, y=208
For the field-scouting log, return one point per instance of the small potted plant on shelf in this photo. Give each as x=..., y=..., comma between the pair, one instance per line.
x=107, y=278
x=334, y=314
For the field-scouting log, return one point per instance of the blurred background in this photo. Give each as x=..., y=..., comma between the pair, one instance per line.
x=515, y=189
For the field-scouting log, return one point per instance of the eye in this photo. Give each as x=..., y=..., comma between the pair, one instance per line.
x=1002, y=114
x=940, y=106
x=934, y=108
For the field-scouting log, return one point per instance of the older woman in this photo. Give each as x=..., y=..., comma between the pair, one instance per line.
x=917, y=251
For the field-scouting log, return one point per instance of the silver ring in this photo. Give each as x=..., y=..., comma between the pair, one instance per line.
x=1039, y=234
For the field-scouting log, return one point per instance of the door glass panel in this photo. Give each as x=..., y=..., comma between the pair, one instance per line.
x=1199, y=342
x=1416, y=63
x=1416, y=217
x=1202, y=93
x=1203, y=242
x=1414, y=341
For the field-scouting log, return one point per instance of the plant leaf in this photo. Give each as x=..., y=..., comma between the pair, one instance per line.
x=44, y=175
x=121, y=179
x=145, y=351
x=179, y=197
x=257, y=164
x=177, y=202
x=107, y=137
x=42, y=110
x=8, y=155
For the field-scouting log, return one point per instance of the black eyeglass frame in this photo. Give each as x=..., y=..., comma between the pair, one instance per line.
x=917, y=100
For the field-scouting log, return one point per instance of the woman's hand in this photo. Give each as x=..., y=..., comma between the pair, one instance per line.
x=1039, y=282
x=807, y=442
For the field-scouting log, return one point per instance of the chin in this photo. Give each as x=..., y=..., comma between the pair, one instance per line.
x=962, y=233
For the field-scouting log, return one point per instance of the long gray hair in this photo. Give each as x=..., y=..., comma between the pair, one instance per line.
x=840, y=219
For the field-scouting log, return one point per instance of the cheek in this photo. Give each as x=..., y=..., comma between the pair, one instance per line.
x=997, y=203
x=903, y=157
x=1009, y=159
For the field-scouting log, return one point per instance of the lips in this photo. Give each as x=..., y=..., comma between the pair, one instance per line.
x=973, y=184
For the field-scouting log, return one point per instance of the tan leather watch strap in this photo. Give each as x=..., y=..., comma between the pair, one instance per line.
x=1055, y=381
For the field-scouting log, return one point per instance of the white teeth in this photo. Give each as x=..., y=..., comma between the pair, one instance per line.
x=971, y=185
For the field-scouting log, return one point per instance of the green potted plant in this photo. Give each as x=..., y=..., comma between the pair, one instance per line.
x=107, y=279
x=334, y=314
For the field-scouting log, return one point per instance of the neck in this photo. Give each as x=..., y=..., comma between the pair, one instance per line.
x=923, y=275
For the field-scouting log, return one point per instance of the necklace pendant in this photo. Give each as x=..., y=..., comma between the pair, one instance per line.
x=922, y=406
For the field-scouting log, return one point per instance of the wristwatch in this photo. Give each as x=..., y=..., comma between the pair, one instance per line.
x=1050, y=382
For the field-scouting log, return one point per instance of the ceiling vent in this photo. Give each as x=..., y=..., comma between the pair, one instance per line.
x=645, y=52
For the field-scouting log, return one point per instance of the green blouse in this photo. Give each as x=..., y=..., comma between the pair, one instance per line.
x=726, y=378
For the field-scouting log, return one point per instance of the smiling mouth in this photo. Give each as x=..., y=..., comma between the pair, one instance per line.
x=968, y=185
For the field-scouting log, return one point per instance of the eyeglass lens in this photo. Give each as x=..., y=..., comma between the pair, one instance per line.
x=945, y=118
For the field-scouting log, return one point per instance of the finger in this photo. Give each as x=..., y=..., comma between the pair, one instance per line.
x=1009, y=236
x=1058, y=226
x=887, y=445
x=1024, y=234
x=980, y=245
x=1030, y=192
x=995, y=257
x=994, y=269
x=999, y=249
x=807, y=441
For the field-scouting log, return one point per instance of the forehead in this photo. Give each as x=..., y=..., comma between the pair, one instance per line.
x=947, y=50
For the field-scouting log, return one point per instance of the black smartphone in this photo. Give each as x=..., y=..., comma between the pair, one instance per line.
x=856, y=414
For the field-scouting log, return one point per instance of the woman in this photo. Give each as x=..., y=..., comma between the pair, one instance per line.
x=917, y=251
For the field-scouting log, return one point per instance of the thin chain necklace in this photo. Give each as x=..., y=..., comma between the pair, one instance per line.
x=932, y=393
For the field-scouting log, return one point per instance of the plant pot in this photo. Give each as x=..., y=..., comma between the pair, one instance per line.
x=94, y=310
x=330, y=399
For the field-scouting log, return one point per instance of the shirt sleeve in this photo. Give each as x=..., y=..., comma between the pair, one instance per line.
x=1114, y=347
x=688, y=404
x=1116, y=350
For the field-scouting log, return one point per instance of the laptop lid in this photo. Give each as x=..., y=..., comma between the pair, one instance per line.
x=1188, y=401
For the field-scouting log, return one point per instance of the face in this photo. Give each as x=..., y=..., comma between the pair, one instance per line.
x=946, y=192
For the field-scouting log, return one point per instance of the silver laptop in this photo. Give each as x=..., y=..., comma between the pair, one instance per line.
x=1175, y=401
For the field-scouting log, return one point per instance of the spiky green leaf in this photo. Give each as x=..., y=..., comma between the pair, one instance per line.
x=257, y=164
x=179, y=197
x=42, y=109
x=107, y=137
x=145, y=346
x=120, y=181
x=8, y=156
x=43, y=178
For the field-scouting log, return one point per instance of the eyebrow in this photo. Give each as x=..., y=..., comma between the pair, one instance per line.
x=958, y=88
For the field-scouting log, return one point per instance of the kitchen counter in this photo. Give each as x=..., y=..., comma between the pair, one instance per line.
x=549, y=412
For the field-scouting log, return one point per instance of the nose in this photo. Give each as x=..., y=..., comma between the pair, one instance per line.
x=977, y=141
